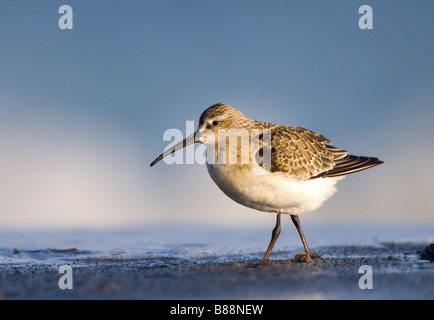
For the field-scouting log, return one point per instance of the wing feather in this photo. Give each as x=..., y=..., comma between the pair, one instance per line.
x=308, y=155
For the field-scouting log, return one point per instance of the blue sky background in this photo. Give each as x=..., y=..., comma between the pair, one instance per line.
x=83, y=111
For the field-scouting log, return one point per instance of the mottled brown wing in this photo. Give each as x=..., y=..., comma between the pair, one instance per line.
x=302, y=153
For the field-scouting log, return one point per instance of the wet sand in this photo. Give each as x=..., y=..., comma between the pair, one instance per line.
x=397, y=273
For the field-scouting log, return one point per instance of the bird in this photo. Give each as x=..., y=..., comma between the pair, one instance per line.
x=271, y=168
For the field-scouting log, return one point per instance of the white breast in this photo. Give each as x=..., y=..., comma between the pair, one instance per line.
x=271, y=192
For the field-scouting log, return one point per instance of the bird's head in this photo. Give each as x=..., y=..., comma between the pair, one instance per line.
x=219, y=116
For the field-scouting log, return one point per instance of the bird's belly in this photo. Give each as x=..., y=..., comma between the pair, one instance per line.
x=271, y=192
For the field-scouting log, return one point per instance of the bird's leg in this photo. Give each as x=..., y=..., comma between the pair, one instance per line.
x=274, y=236
x=303, y=257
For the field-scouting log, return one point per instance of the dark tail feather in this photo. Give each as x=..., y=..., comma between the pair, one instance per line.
x=350, y=164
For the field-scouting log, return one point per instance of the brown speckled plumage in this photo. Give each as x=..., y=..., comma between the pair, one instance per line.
x=296, y=151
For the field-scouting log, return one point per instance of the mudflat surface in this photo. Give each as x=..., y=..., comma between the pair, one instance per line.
x=397, y=273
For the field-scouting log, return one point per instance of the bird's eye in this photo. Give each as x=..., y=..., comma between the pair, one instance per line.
x=215, y=123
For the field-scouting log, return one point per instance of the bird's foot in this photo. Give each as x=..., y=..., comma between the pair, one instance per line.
x=304, y=257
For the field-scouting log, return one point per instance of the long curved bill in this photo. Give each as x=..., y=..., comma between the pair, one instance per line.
x=184, y=143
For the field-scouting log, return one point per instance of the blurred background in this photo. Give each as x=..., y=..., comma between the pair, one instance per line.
x=83, y=111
